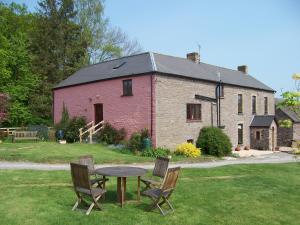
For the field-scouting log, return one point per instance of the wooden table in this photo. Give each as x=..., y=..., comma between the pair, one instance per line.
x=122, y=172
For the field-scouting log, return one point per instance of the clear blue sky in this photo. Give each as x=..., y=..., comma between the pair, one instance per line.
x=264, y=34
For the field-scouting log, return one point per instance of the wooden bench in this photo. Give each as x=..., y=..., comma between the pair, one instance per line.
x=24, y=135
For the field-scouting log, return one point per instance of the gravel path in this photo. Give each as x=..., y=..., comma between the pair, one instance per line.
x=278, y=157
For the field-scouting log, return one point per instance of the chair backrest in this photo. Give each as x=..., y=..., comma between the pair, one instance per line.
x=80, y=176
x=170, y=179
x=87, y=160
x=161, y=167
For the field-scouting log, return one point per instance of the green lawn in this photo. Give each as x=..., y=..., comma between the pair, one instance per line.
x=52, y=152
x=240, y=194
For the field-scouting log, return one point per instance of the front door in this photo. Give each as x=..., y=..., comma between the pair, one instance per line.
x=98, y=108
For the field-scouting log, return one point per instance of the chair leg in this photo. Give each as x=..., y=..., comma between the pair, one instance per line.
x=90, y=208
x=76, y=204
x=96, y=202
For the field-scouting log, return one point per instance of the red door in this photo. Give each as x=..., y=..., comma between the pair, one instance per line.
x=98, y=108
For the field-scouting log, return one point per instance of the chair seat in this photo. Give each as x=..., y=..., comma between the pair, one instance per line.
x=155, y=193
x=94, y=191
x=150, y=182
x=99, y=179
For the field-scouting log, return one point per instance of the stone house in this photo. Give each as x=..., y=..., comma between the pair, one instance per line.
x=287, y=135
x=172, y=97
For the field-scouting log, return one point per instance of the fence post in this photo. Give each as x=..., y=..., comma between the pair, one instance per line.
x=91, y=136
x=80, y=135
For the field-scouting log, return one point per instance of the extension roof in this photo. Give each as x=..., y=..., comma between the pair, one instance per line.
x=288, y=112
x=262, y=121
x=149, y=62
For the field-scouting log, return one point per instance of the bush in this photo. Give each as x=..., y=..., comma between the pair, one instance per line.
x=72, y=130
x=111, y=135
x=214, y=141
x=156, y=152
x=3, y=135
x=135, y=142
x=188, y=150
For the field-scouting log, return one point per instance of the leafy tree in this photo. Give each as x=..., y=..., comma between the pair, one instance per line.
x=3, y=107
x=17, y=79
x=58, y=48
x=104, y=41
x=291, y=100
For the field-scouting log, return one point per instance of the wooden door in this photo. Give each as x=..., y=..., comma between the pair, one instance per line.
x=98, y=108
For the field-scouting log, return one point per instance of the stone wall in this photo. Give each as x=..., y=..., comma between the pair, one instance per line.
x=263, y=143
x=296, y=131
x=172, y=95
x=285, y=135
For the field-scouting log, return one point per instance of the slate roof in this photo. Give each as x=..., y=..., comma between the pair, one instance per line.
x=262, y=121
x=153, y=62
x=289, y=113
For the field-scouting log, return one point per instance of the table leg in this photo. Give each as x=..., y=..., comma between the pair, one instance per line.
x=124, y=188
x=119, y=191
x=103, y=196
x=138, y=188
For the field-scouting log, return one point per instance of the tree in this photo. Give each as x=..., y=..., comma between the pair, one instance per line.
x=17, y=79
x=3, y=107
x=291, y=100
x=58, y=48
x=104, y=41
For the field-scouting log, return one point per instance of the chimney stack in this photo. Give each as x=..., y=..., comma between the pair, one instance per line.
x=193, y=56
x=243, y=69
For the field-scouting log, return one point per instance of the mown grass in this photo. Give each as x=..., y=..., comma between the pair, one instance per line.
x=240, y=194
x=51, y=152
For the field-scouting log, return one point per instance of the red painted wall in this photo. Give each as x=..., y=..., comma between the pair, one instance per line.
x=131, y=112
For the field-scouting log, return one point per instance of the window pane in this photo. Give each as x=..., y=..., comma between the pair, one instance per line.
x=240, y=103
x=240, y=134
x=266, y=105
x=193, y=111
x=127, y=87
x=253, y=104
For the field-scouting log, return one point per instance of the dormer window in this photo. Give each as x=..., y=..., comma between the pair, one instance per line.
x=127, y=87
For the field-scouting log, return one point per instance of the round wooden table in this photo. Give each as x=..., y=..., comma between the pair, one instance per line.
x=122, y=172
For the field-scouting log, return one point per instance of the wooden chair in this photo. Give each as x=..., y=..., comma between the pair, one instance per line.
x=83, y=187
x=88, y=160
x=161, y=195
x=160, y=169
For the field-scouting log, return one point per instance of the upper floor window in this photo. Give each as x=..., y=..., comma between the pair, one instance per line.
x=266, y=105
x=193, y=111
x=220, y=91
x=240, y=103
x=127, y=87
x=253, y=104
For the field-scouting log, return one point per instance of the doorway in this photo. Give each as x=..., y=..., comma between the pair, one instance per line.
x=98, y=109
x=273, y=139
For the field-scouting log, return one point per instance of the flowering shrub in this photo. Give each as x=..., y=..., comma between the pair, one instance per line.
x=188, y=149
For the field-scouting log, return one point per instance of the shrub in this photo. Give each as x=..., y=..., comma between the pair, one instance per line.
x=156, y=152
x=188, y=149
x=135, y=142
x=3, y=135
x=111, y=135
x=72, y=129
x=214, y=141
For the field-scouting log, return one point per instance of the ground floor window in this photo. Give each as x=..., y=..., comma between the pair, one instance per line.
x=240, y=134
x=193, y=111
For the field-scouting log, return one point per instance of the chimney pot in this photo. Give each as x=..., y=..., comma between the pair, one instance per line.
x=243, y=69
x=193, y=56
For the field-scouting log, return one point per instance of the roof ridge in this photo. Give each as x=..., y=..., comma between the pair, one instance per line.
x=153, y=63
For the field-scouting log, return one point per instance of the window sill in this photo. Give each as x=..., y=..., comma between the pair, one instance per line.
x=126, y=95
x=193, y=121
